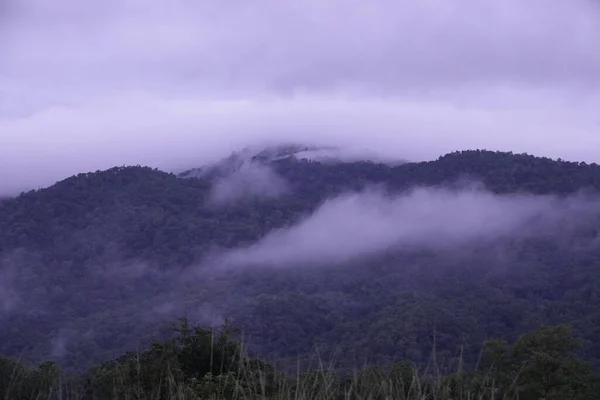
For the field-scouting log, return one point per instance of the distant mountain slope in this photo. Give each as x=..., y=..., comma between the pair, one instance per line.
x=132, y=200
x=268, y=155
x=237, y=160
x=121, y=249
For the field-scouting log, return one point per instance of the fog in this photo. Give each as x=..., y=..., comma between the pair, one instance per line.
x=356, y=225
x=176, y=84
x=251, y=180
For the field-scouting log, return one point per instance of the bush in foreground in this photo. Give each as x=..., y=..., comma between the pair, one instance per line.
x=204, y=363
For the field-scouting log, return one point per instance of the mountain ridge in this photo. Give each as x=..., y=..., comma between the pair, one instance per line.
x=248, y=155
x=268, y=155
x=133, y=241
x=265, y=153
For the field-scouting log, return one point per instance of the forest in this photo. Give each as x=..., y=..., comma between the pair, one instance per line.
x=100, y=264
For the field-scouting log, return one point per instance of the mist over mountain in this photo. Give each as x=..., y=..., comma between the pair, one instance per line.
x=264, y=156
x=248, y=155
x=408, y=186
x=250, y=172
x=359, y=258
x=83, y=85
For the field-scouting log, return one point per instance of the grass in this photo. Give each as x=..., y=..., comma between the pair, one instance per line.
x=400, y=382
x=204, y=365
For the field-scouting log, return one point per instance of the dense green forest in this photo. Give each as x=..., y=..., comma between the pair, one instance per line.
x=100, y=263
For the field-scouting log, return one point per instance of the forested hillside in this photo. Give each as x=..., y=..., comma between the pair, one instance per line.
x=101, y=263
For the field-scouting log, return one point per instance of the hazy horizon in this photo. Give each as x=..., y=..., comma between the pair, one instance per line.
x=179, y=84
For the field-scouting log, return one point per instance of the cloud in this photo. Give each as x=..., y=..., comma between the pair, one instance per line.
x=252, y=179
x=279, y=46
x=357, y=225
x=175, y=84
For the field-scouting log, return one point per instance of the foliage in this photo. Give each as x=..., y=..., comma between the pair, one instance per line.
x=20, y=383
x=539, y=365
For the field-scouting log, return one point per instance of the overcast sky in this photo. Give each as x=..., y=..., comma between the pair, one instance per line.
x=175, y=83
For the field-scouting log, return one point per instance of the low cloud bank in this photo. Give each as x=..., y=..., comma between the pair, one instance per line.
x=362, y=224
x=176, y=135
x=90, y=85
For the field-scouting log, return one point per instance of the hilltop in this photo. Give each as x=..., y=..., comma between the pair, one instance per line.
x=263, y=156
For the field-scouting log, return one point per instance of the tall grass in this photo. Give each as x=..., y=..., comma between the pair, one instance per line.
x=256, y=380
x=207, y=364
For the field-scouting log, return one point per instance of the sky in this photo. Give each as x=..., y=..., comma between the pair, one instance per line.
x=179, y=83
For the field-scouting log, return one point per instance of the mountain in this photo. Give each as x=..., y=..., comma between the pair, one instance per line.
x=101, y=263
x=270, y=154
x=251, y=155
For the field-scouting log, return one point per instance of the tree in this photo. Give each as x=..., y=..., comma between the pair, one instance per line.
x=542, y=365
